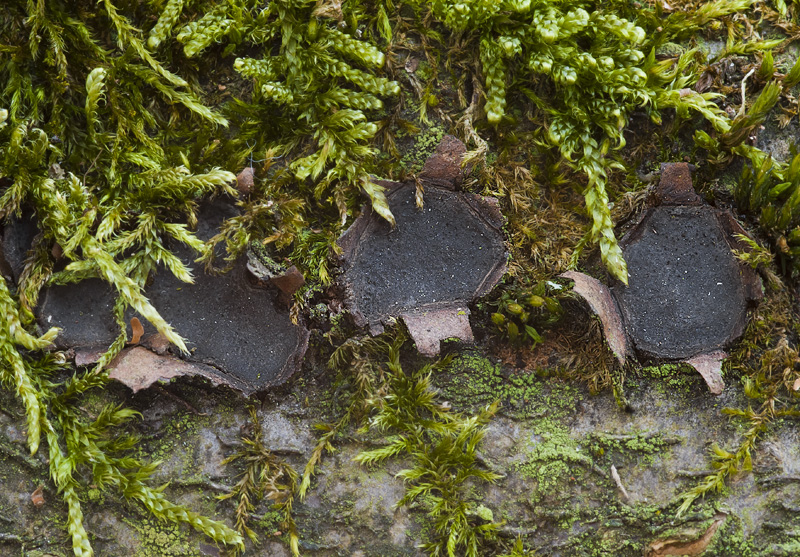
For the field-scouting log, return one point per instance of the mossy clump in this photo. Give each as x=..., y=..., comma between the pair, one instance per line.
x=672, y=378
x=472, y=380
x=586, y=68
x=265, y=475
x=522, y=309
x=442, y=447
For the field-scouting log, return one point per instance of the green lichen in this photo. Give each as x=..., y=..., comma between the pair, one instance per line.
x=554, y=459
x=162, y=539
x=270, y=522
x=671, y=378
x=729, y=540
x=472, y=380
x=424, y=145
x=641, y=448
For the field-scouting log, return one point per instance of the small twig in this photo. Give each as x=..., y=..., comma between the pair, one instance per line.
x=214, y=486
x=10, y=538
x=618, y=481
x=744, y=79
x=788, y=478
x=695, y=473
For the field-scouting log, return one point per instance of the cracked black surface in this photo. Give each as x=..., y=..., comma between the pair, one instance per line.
x=440, y=253
x=227, y=322
x=685, y=294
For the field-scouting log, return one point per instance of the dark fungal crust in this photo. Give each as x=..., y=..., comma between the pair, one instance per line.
x=235, y=329
x=684, y=295
x=687, y=293
x=449, y=252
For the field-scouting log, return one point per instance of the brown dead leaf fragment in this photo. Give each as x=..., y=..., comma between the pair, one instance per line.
x=680, y=546
x=137, y=330
x=331, y=9
x=37, y=498
x=709, y=365
x=290, y=281
x=598, y=296
x=138, y=368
